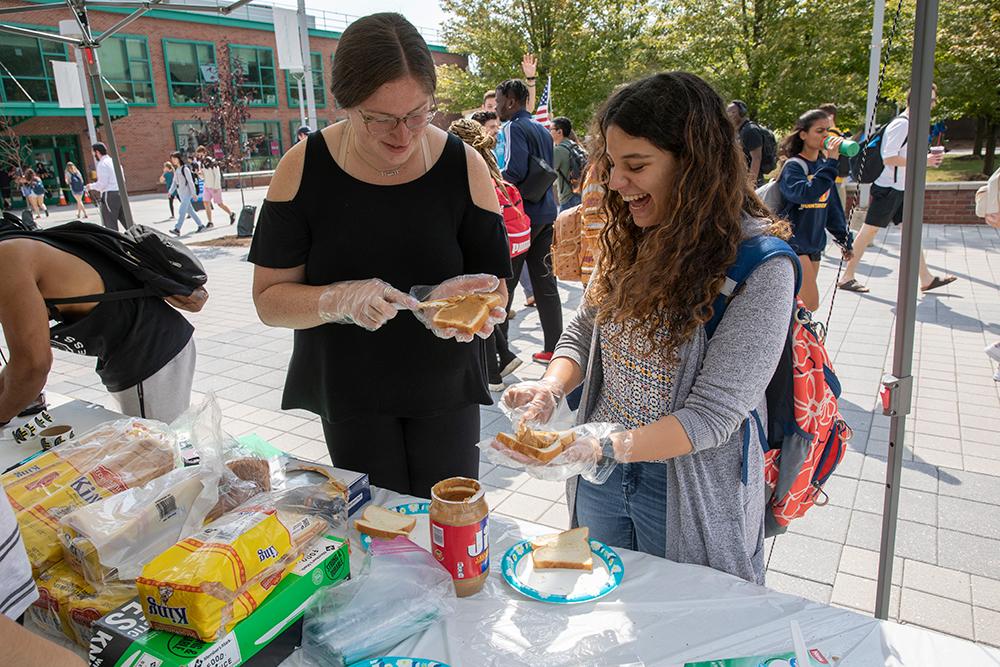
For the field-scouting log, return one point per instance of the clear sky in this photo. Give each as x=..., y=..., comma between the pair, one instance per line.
x=423, y=13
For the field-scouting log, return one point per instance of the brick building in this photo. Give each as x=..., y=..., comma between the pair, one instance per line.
x=154, y=71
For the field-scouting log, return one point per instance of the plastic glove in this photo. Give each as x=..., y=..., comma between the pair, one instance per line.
x=581, y=457
x=478, y=283
x=367, y=303
x=532, y=402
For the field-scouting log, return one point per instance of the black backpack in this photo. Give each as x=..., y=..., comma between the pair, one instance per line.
x=768, y=149
x=164, y=266
x=577, y=165
x=871, y=157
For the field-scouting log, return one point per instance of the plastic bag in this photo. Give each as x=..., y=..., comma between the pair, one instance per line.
x=403, y=591
x=581, y=456
x=207, y=583
x=130, y=453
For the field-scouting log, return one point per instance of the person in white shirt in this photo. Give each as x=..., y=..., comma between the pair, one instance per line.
x=184, y=185
x=22, y=647
x=112, y=211
x=886, y=203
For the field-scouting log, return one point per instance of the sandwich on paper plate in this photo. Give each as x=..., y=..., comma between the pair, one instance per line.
x=543, y=446
x=380, y=522
x=568, y=550
x=467, y=313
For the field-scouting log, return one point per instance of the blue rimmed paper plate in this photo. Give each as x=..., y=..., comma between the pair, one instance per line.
x=562, y=586
x=397, y=661
x=421, y=533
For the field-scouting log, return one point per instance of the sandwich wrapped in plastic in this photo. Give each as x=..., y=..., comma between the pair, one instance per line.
x=127, y=466
x=67, y=605
x=112, y=539
x=403, y=591
x=45, y=474
x=207, y=583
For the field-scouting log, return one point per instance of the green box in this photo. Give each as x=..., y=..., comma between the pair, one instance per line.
x=123, y=637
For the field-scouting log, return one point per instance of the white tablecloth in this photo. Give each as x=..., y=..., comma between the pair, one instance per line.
x=663, y=614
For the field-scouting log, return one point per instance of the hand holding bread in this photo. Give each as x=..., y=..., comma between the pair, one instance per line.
x=461, y=307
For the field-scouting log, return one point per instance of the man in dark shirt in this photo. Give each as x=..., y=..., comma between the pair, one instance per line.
x=526, y=138
x=750, y=139
x=145, y=386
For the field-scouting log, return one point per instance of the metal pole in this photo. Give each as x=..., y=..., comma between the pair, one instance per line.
x=900, y=384
x=306, y=67
x=302, y=106
x=874, y=60
x=109, y=133
x=88, y=110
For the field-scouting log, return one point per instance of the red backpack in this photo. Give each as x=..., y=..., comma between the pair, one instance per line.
x=514, y=218
x=806, y=437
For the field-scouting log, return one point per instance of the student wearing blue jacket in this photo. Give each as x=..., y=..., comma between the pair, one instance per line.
x=808, y=189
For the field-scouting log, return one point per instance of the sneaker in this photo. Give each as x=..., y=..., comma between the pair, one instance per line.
x=175, y=232
x=209, y=225
x=200, y=229
x=232, y=218
x=511, y=314
x=530, y=302
x=496, y=385
x=993, y=351
x=510, y=367
x=542, y=357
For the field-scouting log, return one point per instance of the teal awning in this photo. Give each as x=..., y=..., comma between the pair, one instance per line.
x=21, y=111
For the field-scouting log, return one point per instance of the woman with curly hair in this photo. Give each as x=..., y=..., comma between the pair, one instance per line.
x=675, y=402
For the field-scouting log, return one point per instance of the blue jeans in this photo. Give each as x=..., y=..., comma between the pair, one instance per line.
x=187, y=208
x=525, y=280
x=574, y=200
x=629, y=510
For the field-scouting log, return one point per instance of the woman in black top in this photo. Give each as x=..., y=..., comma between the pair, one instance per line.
x=356, y=216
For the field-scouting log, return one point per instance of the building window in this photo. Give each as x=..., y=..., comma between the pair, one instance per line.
x=188, y=134
x=319, y=88
x=263, y=141
x=190, y=65
x=29, y=62
x=126, y=69
x=259, y=82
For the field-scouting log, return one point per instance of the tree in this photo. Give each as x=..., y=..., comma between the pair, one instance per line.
x=587, y=46
x=227, y=108
x=13, y=151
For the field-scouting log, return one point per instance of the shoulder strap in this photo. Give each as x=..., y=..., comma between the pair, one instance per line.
x=120, y=295
x=752, y=253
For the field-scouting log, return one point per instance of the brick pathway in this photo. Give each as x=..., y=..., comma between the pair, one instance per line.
x=947, y=570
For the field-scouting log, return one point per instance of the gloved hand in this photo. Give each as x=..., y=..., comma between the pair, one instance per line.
x=367, y=303
x=583, y=456
x=479, y=283
x=533, y=402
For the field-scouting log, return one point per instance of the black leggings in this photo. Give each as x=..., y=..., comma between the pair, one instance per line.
x=543, y=282
x=407, y=454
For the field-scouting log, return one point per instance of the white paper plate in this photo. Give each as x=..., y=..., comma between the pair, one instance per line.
x=562, y=586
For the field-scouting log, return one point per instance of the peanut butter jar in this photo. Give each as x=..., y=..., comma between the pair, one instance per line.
x=459, y=524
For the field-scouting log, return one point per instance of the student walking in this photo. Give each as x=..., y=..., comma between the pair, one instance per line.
x=33, y=191
x=183, y=184
x=675, y=403
x=211, y=174
x=107, y=186
x=74, y=179
x=886, y=205
x=810, y=201
x=566, y=162
x=167, y=178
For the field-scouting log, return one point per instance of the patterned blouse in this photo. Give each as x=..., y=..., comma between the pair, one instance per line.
x=638, y=383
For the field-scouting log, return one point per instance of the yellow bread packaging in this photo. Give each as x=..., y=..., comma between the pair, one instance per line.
x=207, y=583
x=131, y=466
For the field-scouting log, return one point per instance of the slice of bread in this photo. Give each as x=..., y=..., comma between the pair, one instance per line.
x=467, y=314
x=379, y=522
x=542, y=446
x=569, y=550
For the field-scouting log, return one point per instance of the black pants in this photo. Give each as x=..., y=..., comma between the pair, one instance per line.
x=408, y=454
x=112, y=211
x=170, y=200
x=498, y=352
x=543, y=282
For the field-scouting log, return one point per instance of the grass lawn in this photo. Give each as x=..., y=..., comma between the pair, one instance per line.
x=961, y=168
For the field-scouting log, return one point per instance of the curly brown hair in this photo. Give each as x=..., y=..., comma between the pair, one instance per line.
x=669, y=274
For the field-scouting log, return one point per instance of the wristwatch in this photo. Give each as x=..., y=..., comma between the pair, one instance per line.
x=607, y=450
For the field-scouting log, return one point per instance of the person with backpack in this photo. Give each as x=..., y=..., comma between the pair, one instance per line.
x=569, y=160
x=186, y=189
x=809, y=197
x=500, y=361
x=759, y=145
x=145, y=348
x=670, y=454
x=74, y=179
x=885, y=168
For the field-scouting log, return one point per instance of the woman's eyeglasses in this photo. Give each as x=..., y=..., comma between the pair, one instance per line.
x=380, y=125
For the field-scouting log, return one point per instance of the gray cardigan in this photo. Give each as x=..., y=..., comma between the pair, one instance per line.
x=713, y=519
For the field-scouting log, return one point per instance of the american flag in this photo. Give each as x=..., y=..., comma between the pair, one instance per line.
x=542, y=112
